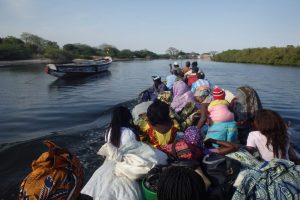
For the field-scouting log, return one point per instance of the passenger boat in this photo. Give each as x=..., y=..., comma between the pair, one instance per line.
x=79, y=67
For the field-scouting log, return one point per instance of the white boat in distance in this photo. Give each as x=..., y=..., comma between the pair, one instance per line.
x=79, y=67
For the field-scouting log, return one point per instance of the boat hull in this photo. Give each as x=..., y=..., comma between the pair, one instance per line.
x=75, y=70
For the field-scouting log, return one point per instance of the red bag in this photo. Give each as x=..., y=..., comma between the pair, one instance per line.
x=180, y=149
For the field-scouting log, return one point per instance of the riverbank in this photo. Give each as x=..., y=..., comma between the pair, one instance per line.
x=46, y=61
x=283, y=56
x=25, y=62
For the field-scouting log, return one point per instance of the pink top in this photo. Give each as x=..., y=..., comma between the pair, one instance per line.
x=219, y=112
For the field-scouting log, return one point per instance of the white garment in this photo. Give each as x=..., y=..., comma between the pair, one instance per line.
x=127, y=135
x=140, y=109
x=257, y=140
x=104, y=184
x=115, y=179
x=134, y=159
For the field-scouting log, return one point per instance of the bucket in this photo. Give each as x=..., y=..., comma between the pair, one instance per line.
x=148, y=194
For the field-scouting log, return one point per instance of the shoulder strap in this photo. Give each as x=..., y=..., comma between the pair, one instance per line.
x=173, y=133
x=173, y=152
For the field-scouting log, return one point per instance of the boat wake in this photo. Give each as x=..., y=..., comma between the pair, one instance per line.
x=82, y=140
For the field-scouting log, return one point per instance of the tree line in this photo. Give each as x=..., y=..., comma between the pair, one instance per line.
x=289, y=55
x=30, y=46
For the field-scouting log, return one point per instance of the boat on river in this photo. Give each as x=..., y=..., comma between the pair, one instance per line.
x=79, y=67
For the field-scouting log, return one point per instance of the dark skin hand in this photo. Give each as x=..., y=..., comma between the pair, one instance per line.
x=203, y=112
x=225, y=147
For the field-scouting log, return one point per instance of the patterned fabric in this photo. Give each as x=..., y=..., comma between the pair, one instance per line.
x=247, y=160
x=155, y=91
x=187, y=115
x=194, y=135
x=56, y=174
x=200, y=82
x=155, y=138
x=246, y=104
x=166, y=97
x=203, y=95
x=277, y=179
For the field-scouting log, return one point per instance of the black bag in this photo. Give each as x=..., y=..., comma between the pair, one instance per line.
x=152, y=177
x=222, y=171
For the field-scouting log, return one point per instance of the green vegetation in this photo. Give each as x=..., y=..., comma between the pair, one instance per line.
x=13, y=48
x=288, y=55
x=32, y=46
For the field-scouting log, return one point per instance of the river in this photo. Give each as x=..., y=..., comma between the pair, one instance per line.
x=74, y=113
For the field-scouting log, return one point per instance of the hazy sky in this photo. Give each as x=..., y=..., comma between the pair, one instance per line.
x=196, y=25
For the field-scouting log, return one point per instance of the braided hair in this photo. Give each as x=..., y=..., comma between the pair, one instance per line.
x=181, y=183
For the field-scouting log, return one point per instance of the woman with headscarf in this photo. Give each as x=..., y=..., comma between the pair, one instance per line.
x=203, y=97
x=181, y=96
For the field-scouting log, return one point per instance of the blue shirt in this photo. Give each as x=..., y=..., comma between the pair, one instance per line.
x=170, y=81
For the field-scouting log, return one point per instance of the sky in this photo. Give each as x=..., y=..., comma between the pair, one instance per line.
x=191, y=25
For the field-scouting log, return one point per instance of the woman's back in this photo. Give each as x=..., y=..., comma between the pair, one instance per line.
x=219, y=111
x=271, y=137
x=257, y=140
x=127, y=135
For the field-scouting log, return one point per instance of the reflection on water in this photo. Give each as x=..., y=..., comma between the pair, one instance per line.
x=77, y=81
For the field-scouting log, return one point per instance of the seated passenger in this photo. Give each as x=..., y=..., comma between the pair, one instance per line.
x=222, y=124
x=270, y=136
x=218, y=108
x=175, y=69
x=181, y=96
x=203, y=98
x=193, y=77
x=159, y=129
x=200, y=82
x=126, y=160
x=171, y=80
x=186, y=68
x=157, y=88
x=181, y=183
x=122, y=129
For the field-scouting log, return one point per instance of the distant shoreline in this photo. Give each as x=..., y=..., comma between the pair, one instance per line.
x=25, y=62
x=46, y=61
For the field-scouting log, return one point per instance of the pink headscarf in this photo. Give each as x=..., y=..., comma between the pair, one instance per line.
x=181, y=96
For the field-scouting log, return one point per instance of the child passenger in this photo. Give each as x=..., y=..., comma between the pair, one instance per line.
x=222, y=124
x=159, y=129
x=218, y=108
x=271, y=137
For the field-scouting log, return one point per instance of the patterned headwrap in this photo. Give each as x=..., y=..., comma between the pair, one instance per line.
x=193, y=135
x=202, y=91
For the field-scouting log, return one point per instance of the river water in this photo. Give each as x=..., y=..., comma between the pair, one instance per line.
x=74, y=113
